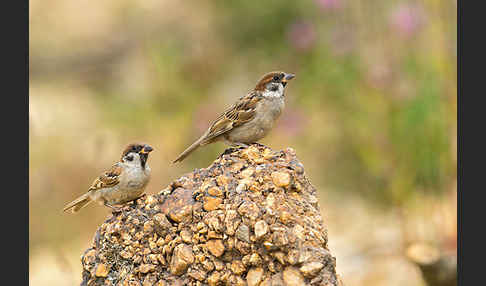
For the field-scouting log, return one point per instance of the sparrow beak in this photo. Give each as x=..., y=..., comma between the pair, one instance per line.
x=287, y=77
x=146, y=149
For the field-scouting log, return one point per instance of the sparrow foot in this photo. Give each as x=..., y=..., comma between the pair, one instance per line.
x=231, y=150
x=114, y=209
x=260, y=145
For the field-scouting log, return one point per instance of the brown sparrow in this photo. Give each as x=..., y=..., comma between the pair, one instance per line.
x=250, y=118
x=124, y=182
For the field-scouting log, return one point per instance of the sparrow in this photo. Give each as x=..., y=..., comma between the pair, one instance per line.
x=124, y=182
x=250, y=118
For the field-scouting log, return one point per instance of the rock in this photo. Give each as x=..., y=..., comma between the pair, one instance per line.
x=214, y=279
x=243, y=233
x=145, y=268
x=149, y=280
x=254, y=276
x=261, y=228
x=181, y=214
x=186, y=236
x=161, y=224
x=255, y=259
x=215, y=191
x=237, y=267
x=215, y=246
x=292, y=277
x=181, y=259
x=212, y=203
x=311, y=269
x=281, y=179
x=249, y=210
x=101, y=270
x=197, y=274
x=250, y=218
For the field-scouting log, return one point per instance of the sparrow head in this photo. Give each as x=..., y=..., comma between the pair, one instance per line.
x=136, y=153
x=273, y=83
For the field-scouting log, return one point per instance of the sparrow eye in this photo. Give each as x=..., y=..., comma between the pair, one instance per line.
x=129, y=158
x=276, y=78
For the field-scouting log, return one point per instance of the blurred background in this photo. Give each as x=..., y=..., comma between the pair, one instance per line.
x=371, y=114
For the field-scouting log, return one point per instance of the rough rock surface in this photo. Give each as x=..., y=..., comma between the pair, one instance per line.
x=250, y=218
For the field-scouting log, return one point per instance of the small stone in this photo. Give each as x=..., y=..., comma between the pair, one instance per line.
x=161, y=224
x=161, y=283
x=237, y=267
x=102, y=270
x=261, y=228
x=255, y=259
x=248, y=172
x=299, y=232
x=213, y=234
x=148, y=226
x=292, y=277
x=285, y=217
x=132, y=282
x=197, y=274
x=293, y=256
x=211, y=203
x=214, y=224
x=254, y=276
x=215, y=246
x=222, y=180
x=280, y=256
x=218, y=265
x=145, y=268
x=149, y=280
x=277, y=280
x=249, y=210
x=281, y=179
x=280, y=238
x=181, y=258
x=186, y=236
x=88, y=259
x=231, y=222
x=215, y=191
x=181, y=214
x=311, y=269
x=208, y=265
x=214, y=278
x=243, y=233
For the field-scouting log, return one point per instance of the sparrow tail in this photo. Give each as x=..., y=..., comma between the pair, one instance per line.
x=189, y=150
x=78, y=203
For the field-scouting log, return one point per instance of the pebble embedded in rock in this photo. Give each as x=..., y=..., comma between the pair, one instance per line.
x=101, y=270
x=243, y=233
x=292, y=277
x=181, y=258
x=215, y=246
x=311, y=269
x=237, y=267
x=281, y=179
x=254, y=276
x=261, y=228
x=211, y=203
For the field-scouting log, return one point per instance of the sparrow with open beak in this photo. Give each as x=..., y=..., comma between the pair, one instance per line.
x=250, y=118
x=124, y=182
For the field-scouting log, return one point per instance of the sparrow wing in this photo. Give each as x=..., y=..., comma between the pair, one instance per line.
x=240, y=112
x=109, y=178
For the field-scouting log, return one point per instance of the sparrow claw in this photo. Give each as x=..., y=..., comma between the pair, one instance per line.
x=114, y=209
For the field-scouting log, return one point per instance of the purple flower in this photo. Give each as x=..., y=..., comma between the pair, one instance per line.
x=302, y=35
x=406, y=19
x=329, y=4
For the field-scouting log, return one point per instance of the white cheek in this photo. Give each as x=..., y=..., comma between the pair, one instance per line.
x=275, y=93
